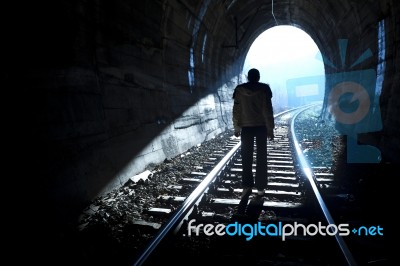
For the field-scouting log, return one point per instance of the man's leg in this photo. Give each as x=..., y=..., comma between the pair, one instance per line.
x=247, y=138
x=247, y=148
x=261, y=178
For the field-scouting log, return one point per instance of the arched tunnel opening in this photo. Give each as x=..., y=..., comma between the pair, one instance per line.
x=291, y=63
x=123, y=85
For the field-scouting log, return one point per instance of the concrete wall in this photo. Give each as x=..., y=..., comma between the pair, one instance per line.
x=113, y=81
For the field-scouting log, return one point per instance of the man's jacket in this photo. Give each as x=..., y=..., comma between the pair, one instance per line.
x=252, y=106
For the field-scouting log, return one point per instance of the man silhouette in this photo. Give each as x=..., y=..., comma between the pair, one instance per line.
x=253, y=119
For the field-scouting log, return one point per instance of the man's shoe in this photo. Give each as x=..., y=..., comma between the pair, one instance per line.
x=246, y=192
x=259, y=198
x=255, y=206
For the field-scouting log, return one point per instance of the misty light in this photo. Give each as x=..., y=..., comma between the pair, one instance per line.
x=287, y=58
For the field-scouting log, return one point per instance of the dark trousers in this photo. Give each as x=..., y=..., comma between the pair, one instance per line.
x=247, y=138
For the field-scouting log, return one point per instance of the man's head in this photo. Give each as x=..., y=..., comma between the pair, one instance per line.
x=253, y=75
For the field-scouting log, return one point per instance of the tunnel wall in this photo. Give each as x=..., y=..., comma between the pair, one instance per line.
x=113, y=78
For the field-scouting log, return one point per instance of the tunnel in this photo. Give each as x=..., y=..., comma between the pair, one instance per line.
x=115, y=87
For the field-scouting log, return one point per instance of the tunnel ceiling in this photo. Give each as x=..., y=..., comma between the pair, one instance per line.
x=203, y=31
x=324, y=21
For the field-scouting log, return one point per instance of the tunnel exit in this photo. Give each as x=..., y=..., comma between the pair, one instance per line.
x=290, y=62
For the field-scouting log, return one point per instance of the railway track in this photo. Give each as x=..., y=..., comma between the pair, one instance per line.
x=292, y=197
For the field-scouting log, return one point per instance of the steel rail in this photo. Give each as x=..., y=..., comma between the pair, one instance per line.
x=309, y=173
x=186, y=206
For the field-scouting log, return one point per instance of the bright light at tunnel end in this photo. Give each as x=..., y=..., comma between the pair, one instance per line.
x=291, y=63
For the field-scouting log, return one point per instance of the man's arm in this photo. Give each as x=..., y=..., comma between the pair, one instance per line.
x=235, y=114
x=270, y=115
